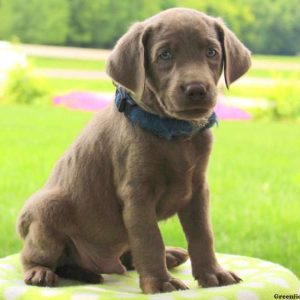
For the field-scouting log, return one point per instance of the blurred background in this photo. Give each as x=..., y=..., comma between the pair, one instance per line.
x=52, y=79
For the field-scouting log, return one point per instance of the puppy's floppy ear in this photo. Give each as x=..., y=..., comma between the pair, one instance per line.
x=126, y=62
x=236, y=57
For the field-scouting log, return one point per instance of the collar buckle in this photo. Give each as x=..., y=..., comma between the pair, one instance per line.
x=122, y=103
x=125, y=100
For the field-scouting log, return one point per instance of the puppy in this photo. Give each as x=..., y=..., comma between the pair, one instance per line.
x=142, y=159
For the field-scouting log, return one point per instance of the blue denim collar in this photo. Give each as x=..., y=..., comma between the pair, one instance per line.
x=164, y=127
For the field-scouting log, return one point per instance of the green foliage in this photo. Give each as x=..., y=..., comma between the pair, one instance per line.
x=285, y=100
x=112, y=18
x=266, y=26
x=24, y=88
x=66, y=63
x=235, y=13
x=35, y=21
x=275, y=27
x=5, y=17
x=61, y=85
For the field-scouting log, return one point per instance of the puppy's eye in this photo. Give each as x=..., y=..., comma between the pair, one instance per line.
x=166, y=55
x=210, y=52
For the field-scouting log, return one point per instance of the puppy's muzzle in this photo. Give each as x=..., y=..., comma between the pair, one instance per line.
x=194, y=92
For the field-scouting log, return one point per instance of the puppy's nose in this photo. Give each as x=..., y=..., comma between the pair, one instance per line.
x=195, y=91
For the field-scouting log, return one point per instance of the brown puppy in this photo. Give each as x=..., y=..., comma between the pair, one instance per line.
x=109, y=190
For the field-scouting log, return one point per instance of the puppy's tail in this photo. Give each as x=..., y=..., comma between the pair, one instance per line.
x=23, y=224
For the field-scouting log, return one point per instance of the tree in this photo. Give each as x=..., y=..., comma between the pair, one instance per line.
x=5, y=17
x=36, y=21
x=81, y=19
x=101, y=22
x=276, y=27
x=265, y=26
x=235, y=13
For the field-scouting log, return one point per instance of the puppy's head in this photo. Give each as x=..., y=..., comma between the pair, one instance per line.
x=171, y=63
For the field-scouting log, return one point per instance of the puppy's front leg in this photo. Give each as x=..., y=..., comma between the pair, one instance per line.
x=195, y=220
x=147, y=247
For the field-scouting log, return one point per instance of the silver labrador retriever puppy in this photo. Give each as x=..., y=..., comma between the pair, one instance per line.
x=139, y=161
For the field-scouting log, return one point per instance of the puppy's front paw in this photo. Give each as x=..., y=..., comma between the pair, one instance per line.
x=41, y=276
x=152, y=285
x=216, y=277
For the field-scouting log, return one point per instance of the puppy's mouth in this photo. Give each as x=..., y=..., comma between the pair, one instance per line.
x=195, y=111
x=187, y=110
x=193, y=114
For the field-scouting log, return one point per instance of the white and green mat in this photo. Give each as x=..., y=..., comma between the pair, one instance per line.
x=262, y=280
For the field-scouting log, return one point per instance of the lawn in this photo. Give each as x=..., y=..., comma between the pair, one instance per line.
x=253, y=91
x=274, y=74
x=65, y=63
x=59, y=63
x=277, y=58
x=254, y=176
x=61, y=85
x=269, y=67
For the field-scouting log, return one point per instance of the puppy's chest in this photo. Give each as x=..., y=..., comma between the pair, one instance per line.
x=176, y=186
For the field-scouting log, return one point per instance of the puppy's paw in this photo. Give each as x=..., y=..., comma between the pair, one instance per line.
x=41, y=276
x=216, y=277
x=152, y=285
x=175, y=257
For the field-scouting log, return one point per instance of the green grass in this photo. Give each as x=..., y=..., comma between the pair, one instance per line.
x=64, y=85
x=276, y=58
x=66, y=63
x=58, y=85
x=274, y=74
x=99, y=65
x=253, y=91
x=254, y=176
x=263, y=92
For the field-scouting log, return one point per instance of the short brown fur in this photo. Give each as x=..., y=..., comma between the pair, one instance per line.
x=99, y=210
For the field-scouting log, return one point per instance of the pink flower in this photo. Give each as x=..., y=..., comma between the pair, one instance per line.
x=86, y=101
x=225, y=112
x=89, y=101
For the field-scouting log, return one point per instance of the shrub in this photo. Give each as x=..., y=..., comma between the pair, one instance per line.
x=285, y=100
x=24, y=88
